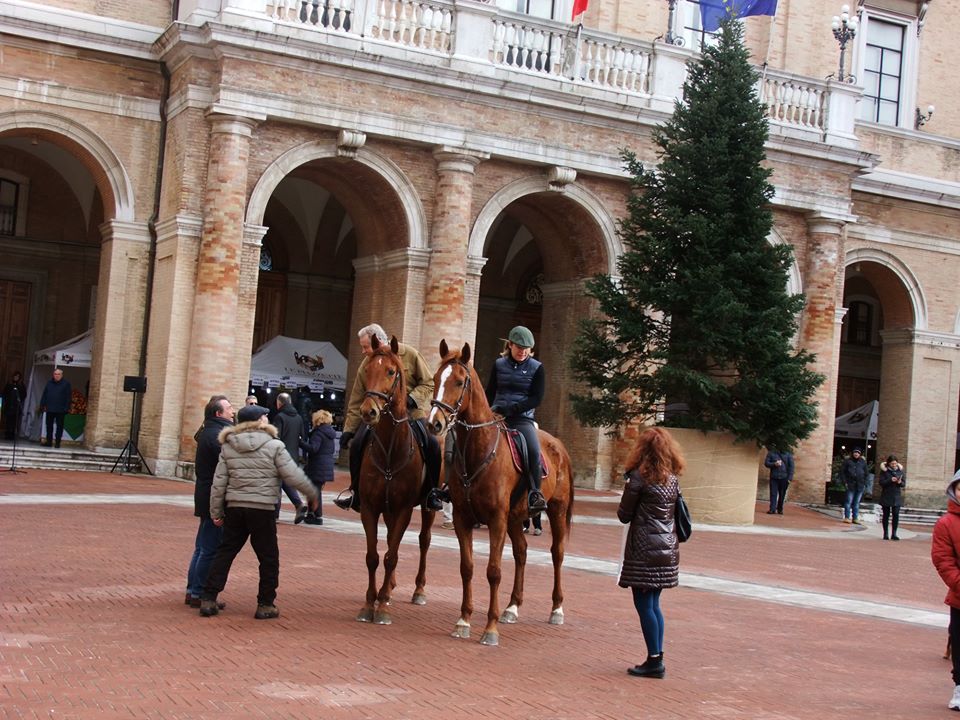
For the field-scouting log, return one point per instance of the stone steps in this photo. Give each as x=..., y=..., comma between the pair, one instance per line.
x=31, y=455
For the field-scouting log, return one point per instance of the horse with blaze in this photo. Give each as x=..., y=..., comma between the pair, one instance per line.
x=391, y=479
x=486, y=486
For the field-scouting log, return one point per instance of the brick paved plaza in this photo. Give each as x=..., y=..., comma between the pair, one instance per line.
x=798, y=617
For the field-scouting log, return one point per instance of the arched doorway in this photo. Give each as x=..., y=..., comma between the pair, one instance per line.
x=539, y=249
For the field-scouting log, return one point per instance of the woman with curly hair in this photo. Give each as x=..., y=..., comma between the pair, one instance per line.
x=651, y=557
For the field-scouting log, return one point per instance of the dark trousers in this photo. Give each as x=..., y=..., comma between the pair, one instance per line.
x=954, y=632
x=778, y=493
x=537, y=523
x=886, y=518
x=261, y=527
x=52, y=418
x=527, y=428
x=10, y=423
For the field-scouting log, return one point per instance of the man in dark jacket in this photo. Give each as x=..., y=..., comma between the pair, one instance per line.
x=289, y=427
x=781, y=473
x=55, y=402
x=217, y=415
x=853, y=473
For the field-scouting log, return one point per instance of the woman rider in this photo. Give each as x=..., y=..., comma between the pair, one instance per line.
x=514, y=390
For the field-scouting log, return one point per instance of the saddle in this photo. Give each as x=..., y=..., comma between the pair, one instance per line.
x=518, y=451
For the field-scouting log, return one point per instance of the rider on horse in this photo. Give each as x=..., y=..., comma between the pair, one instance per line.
x=419, y=381
x=514, y=390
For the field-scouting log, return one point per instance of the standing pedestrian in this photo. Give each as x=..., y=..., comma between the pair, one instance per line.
x=853, y=474
x=319, y=452
x=780, y=463
x=14, y=393
x=246, y=484
x=289, y=426
x=55, y=402
x=892, y=482
x=217, y=415
x=651, y=557
x=945, y=553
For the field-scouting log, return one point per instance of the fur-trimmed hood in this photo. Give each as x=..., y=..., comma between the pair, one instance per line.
x=247, y=436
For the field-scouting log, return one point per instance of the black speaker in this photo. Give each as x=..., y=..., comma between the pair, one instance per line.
x=134, y=383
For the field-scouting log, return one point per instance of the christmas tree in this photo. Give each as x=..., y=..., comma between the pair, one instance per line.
x=698, y=330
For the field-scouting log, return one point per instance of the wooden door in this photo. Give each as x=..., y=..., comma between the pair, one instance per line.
x=14, y=322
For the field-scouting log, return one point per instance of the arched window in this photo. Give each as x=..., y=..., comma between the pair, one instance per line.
x=9, y=202
x=859, y=322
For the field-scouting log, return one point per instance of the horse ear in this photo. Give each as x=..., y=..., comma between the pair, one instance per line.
x=444, y=350
x=394, y=345
x=374, y=342
x=465, y=353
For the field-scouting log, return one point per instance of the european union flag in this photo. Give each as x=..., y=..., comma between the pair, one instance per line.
x=713, y=11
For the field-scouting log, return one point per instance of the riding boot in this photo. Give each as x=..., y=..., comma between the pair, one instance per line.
x=431, y=458
x=535, y=500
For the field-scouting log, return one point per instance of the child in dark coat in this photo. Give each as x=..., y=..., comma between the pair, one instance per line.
x=318, y=449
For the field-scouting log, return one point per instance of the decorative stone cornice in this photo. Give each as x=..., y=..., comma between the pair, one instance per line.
x=929, y=338
x=179, y=226
x=475, y=264
x=349, y=143
x=839, y=314
x=233, y=124
x=915, y=188
x=408, y=258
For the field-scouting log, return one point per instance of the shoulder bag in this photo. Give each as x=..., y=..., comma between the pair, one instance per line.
x=681, y=519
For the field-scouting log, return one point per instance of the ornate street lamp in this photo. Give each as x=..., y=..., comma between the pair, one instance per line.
x=844, y=30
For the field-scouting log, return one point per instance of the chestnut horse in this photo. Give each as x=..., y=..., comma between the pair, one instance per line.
x=391, y=479
x=486, y=487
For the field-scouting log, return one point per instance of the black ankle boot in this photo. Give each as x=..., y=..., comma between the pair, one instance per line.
x=434, y=500
x=536, y=503
x=653, y=667
x=351, y=501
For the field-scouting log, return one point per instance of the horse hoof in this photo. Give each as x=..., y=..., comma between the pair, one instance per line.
x=461, y=630
x=381, y=617
x=365, y=615
x=419, y=599
x=490, y=638
x=556, y=617
x=510, y=615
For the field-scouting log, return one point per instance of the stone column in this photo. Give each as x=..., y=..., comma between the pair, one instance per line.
x=121, y=303
x=819, y=333
x=444, y=301
x=219, y=357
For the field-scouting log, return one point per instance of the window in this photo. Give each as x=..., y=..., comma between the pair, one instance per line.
x=887, y=68
x=9, y=200
x=882, y=73
x=548, y=9
x=691, y=26
x=859, y=322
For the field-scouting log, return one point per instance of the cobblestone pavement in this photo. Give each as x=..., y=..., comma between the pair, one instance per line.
x=797, y=617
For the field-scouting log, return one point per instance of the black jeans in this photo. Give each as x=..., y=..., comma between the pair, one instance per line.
x=52, y=418
x=886, y=518
x=261, y=527
x=954, y=632
x=528, y=429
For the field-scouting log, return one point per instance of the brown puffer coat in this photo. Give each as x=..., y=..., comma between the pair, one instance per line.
x=651, y=557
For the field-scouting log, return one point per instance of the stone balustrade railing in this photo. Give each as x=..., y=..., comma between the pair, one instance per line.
x=478, y=35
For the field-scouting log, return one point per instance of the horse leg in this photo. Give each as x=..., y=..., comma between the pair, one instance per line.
x=519, y=542
x=558, y=534
x=464, y=530
x=426, y=527
x=498, y=535
x=396, y=527
x=369, y=521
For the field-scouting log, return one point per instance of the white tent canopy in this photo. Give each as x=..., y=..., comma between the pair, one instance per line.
x=860, y=423
x=73, y=357
x=294, y=362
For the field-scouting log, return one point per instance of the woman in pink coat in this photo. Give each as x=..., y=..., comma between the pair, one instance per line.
x=945, y=553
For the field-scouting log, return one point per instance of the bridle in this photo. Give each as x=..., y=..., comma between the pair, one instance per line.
x=451, y=418
x=387, y=451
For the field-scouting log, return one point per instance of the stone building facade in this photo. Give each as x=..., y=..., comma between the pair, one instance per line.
x=191, y=178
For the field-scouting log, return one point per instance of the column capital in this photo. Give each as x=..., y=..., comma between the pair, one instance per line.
x=253, y=234
x=839, y=314
x=828, y=223
x=475, y=264
x=181, y=225
x=221, y=122
x=455, y=159
x=128, y=231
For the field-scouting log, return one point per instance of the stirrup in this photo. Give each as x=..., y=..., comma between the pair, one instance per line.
x=536, y=502
x=434, y=500
x=347, y=502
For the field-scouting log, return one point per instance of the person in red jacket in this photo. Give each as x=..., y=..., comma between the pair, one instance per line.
x=945, y=553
